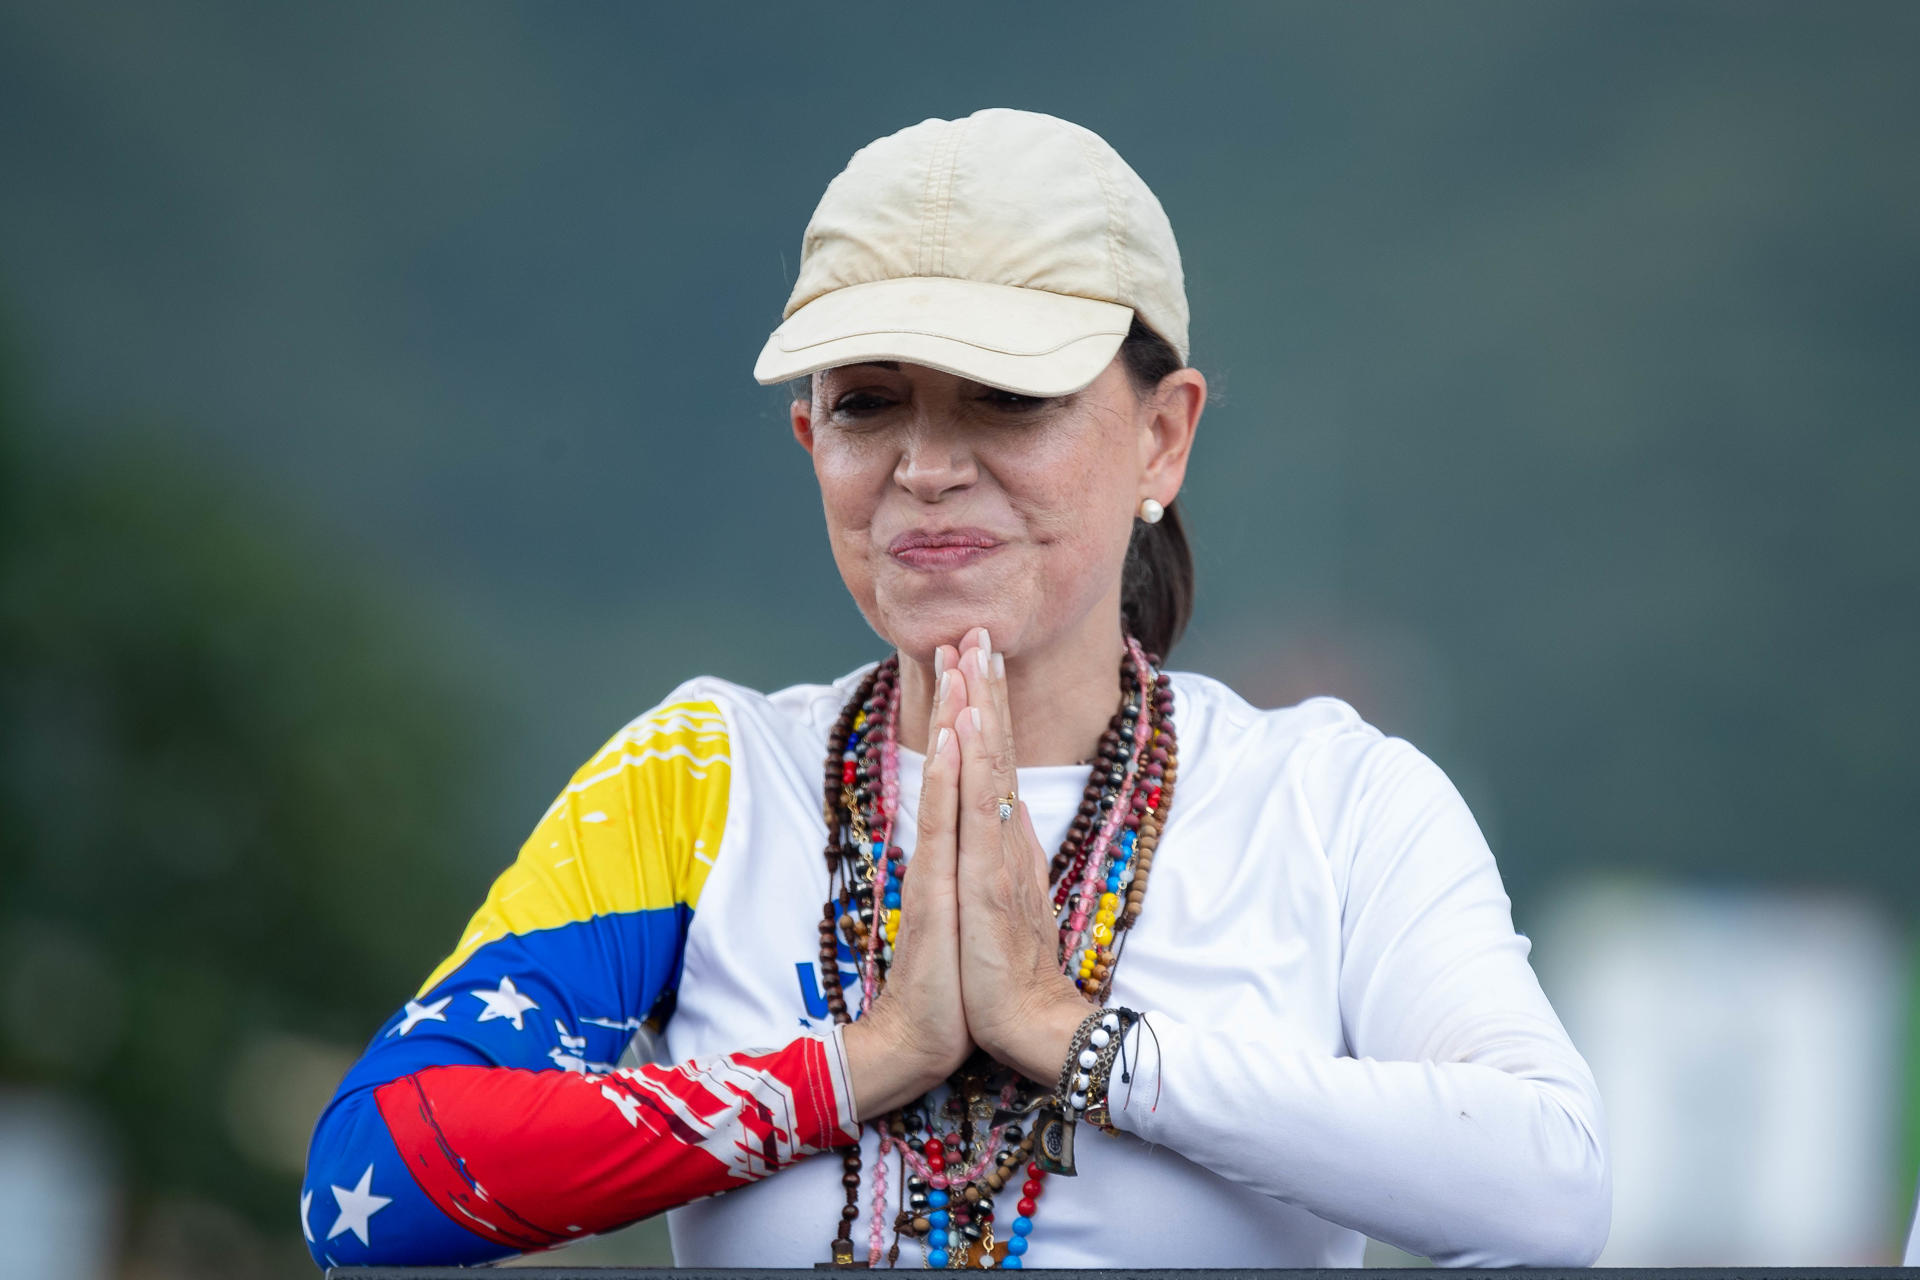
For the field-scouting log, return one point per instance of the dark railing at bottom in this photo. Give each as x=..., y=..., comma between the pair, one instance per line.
x=1517, y=1273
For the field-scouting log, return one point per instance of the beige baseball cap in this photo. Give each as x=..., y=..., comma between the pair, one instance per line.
x=1010, y=247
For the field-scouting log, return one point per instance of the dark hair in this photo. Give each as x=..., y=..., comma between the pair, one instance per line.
x=1156, y=587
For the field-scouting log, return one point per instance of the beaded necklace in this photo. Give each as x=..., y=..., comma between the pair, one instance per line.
x=954, y=1163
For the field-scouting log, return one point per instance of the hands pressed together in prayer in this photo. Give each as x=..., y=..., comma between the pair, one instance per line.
x=976, y=962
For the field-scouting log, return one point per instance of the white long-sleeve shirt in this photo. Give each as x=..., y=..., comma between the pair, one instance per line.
x=1348, y=1038
x=1343, y=1037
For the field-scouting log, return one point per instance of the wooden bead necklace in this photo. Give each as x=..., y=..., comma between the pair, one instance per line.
x=954, y=1164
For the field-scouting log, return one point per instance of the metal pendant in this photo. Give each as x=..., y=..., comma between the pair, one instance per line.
x=843, y=1259
x=1053, y=1142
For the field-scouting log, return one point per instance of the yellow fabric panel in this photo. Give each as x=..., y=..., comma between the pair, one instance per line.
x=637, y=829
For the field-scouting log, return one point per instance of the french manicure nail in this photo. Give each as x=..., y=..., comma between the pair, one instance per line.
x=975, y=713
x=940, y=661
x=940, y=743
x=980, y=661
x=986, y=641
x=940, y=694
x=999, y=667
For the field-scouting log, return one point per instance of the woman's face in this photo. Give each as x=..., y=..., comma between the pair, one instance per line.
x=952, y=504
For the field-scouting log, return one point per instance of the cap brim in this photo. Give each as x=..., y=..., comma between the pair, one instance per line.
x=1027, y=341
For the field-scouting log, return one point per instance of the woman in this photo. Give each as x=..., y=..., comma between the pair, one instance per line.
x=1251, y=979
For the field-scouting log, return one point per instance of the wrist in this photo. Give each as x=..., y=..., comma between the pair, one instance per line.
x=1036, y=1043
x=884, y=1070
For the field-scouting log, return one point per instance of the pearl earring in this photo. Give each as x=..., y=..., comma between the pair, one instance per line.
x=1151, y=511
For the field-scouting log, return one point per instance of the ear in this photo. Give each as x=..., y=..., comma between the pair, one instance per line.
x=1172, y=415
x=801, y=412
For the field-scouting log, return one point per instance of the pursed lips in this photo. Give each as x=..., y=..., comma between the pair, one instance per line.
x=942, y=549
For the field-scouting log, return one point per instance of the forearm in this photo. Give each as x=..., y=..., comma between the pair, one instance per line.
x=1490, y=1163
x=523, y=1160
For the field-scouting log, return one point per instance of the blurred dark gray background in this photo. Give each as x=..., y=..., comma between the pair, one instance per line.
x=379, y=436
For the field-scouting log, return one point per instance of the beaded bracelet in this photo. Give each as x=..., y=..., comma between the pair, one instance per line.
x=1083, y=1083
x=1105, y=1043
x=1098, y=1111
x=1090, y=1057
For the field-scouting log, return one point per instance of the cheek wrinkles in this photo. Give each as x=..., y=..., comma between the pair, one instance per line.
x=853, y=481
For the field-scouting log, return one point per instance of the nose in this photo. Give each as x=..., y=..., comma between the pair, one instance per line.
x=935, y=457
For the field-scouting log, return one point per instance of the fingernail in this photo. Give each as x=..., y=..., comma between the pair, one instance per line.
x=975, y=713
x=986, y=641
x=999, y=667
x=980, y=661
x=946, y=678
x=940, y=743
x=940, y=660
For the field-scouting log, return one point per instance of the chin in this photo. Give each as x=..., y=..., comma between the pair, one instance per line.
x=920, y=627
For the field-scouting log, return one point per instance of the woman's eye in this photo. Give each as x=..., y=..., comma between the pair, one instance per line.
x=1012, y=400
x=857, y=404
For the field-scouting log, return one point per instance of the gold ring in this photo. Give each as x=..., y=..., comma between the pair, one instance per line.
x=1006, y=807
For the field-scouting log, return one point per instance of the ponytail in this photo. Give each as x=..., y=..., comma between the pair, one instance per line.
x=1156, y=587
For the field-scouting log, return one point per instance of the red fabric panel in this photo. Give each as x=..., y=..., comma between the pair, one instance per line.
x=529, y=1159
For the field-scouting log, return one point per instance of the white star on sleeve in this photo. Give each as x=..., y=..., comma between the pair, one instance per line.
x=356, y=1206
x=628, y=1104
x=306, y=1203
x=504, y=1002
x=418, y=1013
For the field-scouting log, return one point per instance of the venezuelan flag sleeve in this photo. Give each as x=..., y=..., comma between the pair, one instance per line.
x=487, y=1116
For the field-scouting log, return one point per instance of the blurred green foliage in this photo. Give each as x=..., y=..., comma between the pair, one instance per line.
x=230, y=793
